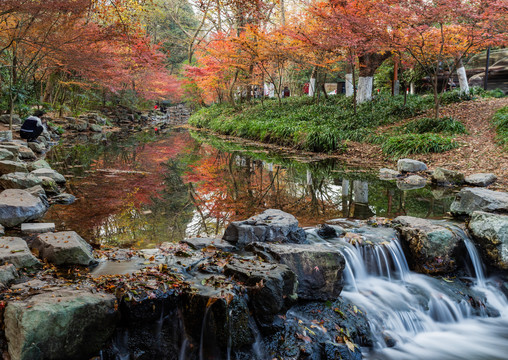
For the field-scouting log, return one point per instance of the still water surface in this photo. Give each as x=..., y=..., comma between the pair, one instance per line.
x=147, y=189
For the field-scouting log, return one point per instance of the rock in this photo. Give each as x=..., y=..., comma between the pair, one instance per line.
x=63, y=199
x=49, y=185
x=39, y=164
x=18, y=206
x=431, y=247
x=59, y=178
x=61, y=324
x=37, y=228
x=39, y=192
x=26, y=153
x=318, y=269
x=7, y=155
x=469, y=200
x=14, y=149
x=490, y=232
x=6, y=135
x=95, y=128
x=38, y=148
x=271, y=287
x=223, y=317
x=14, y=250
x=8, y=166
x=270, y=226
x=481, y=179
x=408, y=165
x=78, y=125
x=64, y=248
x=337, y=320
x=411, y=182
x=388, y=174
x=19, y=180
x=327, y=232
x=200, y=243
x=2, y=230
x=8, y=274
x=16, y=120
x=445, y=177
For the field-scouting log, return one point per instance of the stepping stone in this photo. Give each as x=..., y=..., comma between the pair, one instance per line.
x=37, y=228
x=59, y=178
x=19, y=206
x=14, y=250
x=481, y=179
x=408, y=165
x=8, y=166
x=19, y=180
x=64, y=248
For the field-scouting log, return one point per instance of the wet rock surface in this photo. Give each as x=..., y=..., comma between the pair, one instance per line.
x=19, y=180
x=432, y=247
x=490, y=232
x=447, y=177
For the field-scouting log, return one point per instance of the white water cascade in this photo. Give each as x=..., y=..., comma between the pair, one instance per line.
x=414, y=316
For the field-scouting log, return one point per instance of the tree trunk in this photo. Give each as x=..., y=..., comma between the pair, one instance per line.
x=312, y=82
x=349, y=80
x=368, y=66
x=436, y=98
x=461, y=74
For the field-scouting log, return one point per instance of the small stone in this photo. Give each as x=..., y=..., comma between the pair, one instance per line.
x=26, y=153
x=39, y=148
x=19, y=180
x=39, y=164
x=388, y=174
x=7, y=155
x=59, y=178
x=445, y=177
x=64, y=248
x=412, y=182
x=14, y=250
x=37, y=228
x=200, y=243
x=408, y=165
x=8, y=274
x=481, y=179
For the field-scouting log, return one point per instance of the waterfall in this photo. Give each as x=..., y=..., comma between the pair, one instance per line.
x=414, y=316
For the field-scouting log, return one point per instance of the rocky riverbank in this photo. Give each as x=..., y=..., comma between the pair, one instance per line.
x=267, y=289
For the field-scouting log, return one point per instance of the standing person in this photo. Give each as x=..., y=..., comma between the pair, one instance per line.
x=32, y=127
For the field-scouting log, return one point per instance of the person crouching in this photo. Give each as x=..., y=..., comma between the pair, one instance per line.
x=32, y=127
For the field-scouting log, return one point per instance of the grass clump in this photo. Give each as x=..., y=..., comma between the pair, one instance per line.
x=500, y=121
x=402, y=145
x=446, y=125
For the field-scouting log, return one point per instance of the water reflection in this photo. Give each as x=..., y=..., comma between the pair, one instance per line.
x=145, y=190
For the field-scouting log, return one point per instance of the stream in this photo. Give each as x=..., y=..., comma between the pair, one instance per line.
x=148, y=189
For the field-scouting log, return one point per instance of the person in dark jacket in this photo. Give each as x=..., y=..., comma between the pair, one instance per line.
x=32, y=127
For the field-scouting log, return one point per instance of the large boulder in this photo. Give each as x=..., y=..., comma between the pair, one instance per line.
x=8, y=166
x=270, y=226
x=490, y=232
x=318, y=269
x=408, y=165
x=271, y=287
x=480, y=179
x=18, y=206
x=63, y=248
x=19, y=180
x=447, y=177
x=59, y=324
x=431, y=248
x=44, y=172
x=15, y=251
x=469, y=200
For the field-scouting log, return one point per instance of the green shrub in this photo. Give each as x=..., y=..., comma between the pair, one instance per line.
x=500, y=121
x=402, y=145
x=496, y=93
x=446, y=125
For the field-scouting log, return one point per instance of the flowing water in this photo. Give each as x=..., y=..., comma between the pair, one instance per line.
x=413, y=316
x=143, y=191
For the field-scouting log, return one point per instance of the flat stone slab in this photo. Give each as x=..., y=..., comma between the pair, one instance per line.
x=63, y=248
x=26, y=153
x=481, y=179
x=8, y=166
x=472, y=199
x=59, y=324
x=37, y=228
x=43, y=172
x=39, y=164
x=19, y=180
x=14, y=250
x=409, y=165
x=270, y=226
x=318, y=269
x=201, y=243
x=19, y=206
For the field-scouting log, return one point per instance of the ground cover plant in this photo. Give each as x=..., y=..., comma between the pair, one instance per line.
x=500, y=121
x=328, y=126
